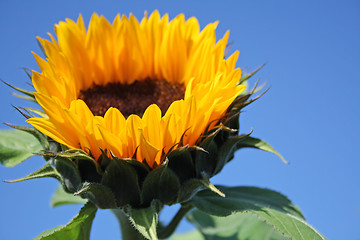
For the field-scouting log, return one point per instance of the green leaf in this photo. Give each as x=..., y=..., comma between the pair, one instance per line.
x=45, y=171
x=241, y=226
x=61, y=197
x=78, y=228
x=290, y=225
x=240, y=199
x=17, y=146
x=269, y=206
x=193, y=235
x=259, y=144
x=33, y=131
x=145, y=220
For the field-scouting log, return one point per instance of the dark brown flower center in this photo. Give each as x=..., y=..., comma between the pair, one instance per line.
x=132, y=98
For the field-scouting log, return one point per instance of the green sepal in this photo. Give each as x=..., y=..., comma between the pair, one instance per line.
x=41, y=48
x=161, y=184
x=141, y=169
x=99, y=194
x=206, y=159
x=33, y=111
x=69, y=153
x=33, y=131
x=89, y=170
x=60, y=197
x=121, y=177
x=181, y=163
x=247, y=76
x=26, y=114
x=145, y=220
x=28, y=94
x=17, y=146
x=207, y=184
x=252, y=142
x=70, y=175
x=24, y=97
x=189, y=189
x=269, y=206
x=54, y=147
x=46, y=171
x=87, y=167
x=78, y=228
x=226, y=151
x=232, y=122
x=28, y=73
x=30, y=112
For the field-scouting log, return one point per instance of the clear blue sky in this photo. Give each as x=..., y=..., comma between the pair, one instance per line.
x=310, y=114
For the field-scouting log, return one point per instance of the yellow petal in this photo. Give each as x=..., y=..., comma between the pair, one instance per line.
x=125, y=51
x=147, y=151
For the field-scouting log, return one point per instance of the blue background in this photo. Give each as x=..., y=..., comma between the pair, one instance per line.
x=310, y=115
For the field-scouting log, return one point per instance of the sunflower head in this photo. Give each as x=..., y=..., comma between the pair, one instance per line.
x=140, y=110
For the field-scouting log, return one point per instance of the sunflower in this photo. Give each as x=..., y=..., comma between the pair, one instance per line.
x=133, y=89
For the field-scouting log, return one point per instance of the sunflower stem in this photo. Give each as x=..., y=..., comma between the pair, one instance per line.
x=128, y=232
x=165, y=232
